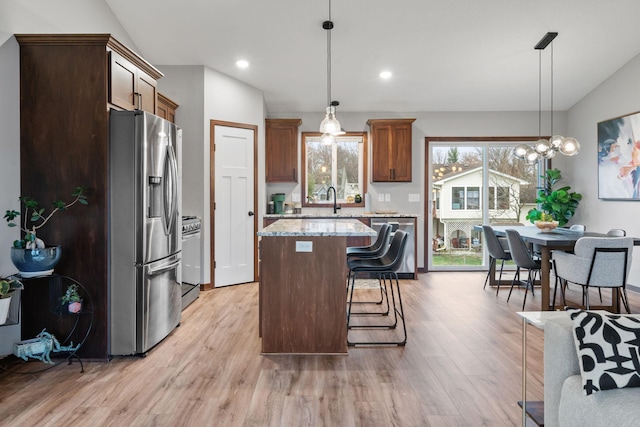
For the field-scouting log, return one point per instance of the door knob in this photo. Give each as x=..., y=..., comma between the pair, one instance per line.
x=251, y=213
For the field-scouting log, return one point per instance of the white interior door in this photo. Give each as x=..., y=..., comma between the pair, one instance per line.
x=234, y=197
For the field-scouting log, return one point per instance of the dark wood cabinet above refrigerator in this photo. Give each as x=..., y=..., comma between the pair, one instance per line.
x=65, y=97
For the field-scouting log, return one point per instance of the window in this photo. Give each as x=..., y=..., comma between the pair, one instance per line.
x=341, y=165
x=473, y=198
x=499, y=198
x=465, y=198
x=457, y=198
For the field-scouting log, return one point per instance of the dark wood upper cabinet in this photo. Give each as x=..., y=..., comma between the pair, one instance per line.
x=130, y=88
x=166, y=108
x=281, y=146
x=66, y=83
x=391, y=149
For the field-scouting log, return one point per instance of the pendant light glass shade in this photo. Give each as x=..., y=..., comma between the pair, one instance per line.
x=330, y=124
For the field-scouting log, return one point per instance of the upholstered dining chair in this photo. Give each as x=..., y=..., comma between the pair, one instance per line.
x=578, y=227
x=597, y=262
x=616, y=232
x=523, y=260
x=497, y=250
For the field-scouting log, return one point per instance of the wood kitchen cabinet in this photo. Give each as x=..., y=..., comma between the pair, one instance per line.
x=166, y=108
x=65, y=84
x=391, y=149
x=281, y=145
x=131, y=88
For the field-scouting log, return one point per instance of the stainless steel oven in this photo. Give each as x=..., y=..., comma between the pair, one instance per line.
x=191, y=253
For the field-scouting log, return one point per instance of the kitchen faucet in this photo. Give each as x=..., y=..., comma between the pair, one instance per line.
x=335, y=198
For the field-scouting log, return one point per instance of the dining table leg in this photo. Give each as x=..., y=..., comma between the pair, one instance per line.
x=545, y=275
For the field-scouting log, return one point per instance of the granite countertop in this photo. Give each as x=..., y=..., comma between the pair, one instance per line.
x=317, y=227
x=379, y=214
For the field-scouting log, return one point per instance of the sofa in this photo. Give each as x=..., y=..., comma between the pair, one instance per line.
x=565, y=403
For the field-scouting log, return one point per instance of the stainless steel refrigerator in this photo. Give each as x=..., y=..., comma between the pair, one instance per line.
x=145, y=231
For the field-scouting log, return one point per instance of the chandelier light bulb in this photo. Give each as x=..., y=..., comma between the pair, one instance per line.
x=327, y=139
x=520, y=151
x=570, y=147
x=556, y=141
x=531, y=157
x=542, y=146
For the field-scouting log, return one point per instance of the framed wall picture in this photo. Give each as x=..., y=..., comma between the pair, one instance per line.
x=619, y=158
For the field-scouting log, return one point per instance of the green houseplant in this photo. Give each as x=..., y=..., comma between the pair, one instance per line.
x=29, y=254
x=8, y=285
x=72, y=298
x=555, y=204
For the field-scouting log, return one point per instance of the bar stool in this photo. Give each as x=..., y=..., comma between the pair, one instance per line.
x=385, y=267
x=376, y=250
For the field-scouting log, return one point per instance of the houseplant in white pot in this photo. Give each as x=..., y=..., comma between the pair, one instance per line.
x=29, y=254
x=8, y=285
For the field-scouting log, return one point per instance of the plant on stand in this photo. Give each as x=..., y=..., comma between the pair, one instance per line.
x=555, y=204
x=72, y=298
x=29, y=254
x=8, y=285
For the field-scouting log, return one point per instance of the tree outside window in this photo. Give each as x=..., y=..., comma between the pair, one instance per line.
x=340, y=164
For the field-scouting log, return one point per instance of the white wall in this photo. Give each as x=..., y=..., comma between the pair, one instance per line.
x=617, y=96
x=9, y=166
x=203, y=95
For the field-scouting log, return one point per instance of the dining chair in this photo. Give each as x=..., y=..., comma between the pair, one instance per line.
x=498, y=249
x=578, y=227
x=616, y=232
x=597, y=262
x=523, y=259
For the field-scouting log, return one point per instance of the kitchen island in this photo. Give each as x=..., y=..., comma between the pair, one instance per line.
x=302, y=284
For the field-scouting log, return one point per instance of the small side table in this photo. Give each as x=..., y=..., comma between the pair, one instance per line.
x=535, y=410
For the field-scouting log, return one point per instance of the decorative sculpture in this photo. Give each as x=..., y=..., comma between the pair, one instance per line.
x=41, y=347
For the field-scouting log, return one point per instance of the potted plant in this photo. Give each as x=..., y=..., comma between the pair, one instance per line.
x=555, y=204
x=8, y=285
x=72, y=298
x=29, y=254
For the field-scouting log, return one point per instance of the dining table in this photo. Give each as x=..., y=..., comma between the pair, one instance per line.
x=558, y=239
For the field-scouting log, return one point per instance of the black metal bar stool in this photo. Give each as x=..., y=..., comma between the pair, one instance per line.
x=376, y=250
x=385, y=267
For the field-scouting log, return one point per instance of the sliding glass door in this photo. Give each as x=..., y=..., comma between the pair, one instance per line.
x=472, y=181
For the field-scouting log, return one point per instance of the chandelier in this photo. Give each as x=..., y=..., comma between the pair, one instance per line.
x=330, y=126
x=543, y=148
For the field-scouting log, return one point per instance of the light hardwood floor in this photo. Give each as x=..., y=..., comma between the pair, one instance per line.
x=460, y=367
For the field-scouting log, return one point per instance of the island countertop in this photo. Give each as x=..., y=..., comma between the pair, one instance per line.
x=318, y=227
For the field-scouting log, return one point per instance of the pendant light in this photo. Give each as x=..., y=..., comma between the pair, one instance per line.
x=330, y=125
x=543, y=148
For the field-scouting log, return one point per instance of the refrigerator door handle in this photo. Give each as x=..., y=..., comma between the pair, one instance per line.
x=162, y=269
x=171, y=190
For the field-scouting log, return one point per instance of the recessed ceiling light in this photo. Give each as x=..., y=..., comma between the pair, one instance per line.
x=386, y=74
x=241, y=63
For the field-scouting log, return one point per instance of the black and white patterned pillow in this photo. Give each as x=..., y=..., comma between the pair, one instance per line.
x=608, y=350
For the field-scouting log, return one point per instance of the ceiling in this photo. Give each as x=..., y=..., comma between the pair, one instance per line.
x=445, y=55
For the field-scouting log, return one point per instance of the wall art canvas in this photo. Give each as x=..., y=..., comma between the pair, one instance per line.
x=619, y=158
